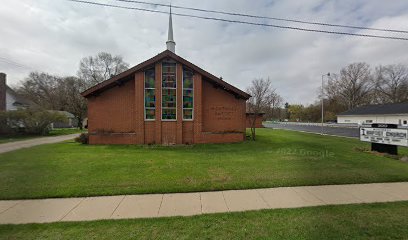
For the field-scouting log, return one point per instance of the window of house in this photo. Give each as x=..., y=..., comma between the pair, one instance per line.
x=405, y=122
x=169, y=91
x=369, y=121
x=188, y=94
x=149, y=95
x=346, y=120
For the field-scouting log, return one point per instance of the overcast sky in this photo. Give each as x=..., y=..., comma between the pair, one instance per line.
x=53, y=35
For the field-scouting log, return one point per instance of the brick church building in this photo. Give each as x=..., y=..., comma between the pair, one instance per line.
x=165, y=100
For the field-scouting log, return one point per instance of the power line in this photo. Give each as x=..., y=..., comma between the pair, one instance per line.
x=244, y=22
x=264, y=17
x=16, y=64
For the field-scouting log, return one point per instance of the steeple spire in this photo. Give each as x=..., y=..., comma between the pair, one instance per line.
x=171, y=44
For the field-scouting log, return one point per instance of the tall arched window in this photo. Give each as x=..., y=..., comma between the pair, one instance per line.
x=188, y=94
x=149, y=95
x=169, y=91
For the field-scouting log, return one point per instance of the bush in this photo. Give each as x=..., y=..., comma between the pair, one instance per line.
x=83, y=138
x=4, y=128
x=30, y=121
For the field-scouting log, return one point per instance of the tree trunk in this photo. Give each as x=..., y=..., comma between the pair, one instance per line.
x=253, y=127
x=80, y=123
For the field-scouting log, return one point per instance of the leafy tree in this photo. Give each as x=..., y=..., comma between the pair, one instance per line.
x=296, y=112
x=287, y=105
x=31, y=121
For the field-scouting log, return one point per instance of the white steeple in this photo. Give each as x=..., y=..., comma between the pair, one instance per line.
x=171, y=44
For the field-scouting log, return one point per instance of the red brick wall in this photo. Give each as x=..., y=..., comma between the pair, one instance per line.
x=149, y=132
x=219, y=117
x=2, y=92
x=113, y=111
x=222, y=112
x=250, y=119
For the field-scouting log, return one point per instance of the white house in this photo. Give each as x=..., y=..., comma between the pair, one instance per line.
x=396, y=113
x=9, y=99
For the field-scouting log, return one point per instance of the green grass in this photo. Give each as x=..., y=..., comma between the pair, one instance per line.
x=277, y=158
x=370, y=221
x=65, y=131
x=54, y=132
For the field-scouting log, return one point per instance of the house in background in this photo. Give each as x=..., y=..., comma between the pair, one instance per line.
x=395, y=113
x=9, y=99
x=71, y=122
x=165, y=100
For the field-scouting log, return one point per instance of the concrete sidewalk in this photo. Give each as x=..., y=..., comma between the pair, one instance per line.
x=7, y=147
x=186, y=204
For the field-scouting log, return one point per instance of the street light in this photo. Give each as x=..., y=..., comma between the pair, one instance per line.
x=328, y=75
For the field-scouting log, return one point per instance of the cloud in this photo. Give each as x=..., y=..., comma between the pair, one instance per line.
x=53, y=35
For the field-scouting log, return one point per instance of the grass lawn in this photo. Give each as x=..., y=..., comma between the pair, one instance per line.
x=65, y=131
x=369, y=221
x=277, y=158
x=54, y=132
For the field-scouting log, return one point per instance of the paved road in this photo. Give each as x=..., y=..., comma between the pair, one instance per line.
x=337, y=131
x=7, y=147
x=186, y=204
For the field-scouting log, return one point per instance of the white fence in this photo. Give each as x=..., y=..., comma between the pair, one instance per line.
x=345, y=125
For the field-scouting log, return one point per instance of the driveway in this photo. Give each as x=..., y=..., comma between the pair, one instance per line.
x=327, y=129
x=7, y=147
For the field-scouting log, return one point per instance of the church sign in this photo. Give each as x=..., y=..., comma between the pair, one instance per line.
x=383, y=135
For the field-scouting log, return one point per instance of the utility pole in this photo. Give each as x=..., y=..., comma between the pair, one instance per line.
x=328, y=75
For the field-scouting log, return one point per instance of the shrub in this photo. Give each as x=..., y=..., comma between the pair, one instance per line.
x=4, y=128
x=31, y=121
x=83, y=138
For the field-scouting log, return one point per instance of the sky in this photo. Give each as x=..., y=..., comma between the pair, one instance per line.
x=53, y=35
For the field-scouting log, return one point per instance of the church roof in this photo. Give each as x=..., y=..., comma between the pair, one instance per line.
x=124, y=76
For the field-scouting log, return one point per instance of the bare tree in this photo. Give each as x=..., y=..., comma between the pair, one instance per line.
x=273, y=111
x=56, y=93
x=264, y=97
x=70, y=89
x=391, y=83
x=40, y=88
x=353, y=86
x=96, y=69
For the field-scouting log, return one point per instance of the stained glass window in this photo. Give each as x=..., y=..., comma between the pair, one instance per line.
x=188, y=94
x=149, y=95
x=150, y=99
x=169, y=113
x=169, y=92
x=149, y=79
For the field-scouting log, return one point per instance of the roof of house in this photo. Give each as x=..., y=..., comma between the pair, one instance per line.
x=65, y=113
x=118, y=79
x=20, y=100
x=393, y=108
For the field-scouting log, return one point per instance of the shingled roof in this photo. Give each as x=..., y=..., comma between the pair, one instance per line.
x=393, y=108
x=118, y=79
